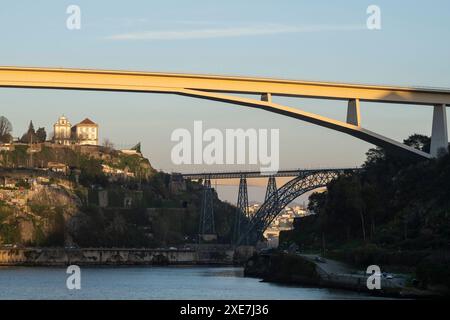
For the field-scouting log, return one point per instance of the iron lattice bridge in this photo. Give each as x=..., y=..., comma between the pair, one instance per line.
x=249, y=229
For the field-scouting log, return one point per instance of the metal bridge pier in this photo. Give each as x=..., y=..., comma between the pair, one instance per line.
x=271, y=197
x=241, y=209
x=207, y=229
x=271, y=188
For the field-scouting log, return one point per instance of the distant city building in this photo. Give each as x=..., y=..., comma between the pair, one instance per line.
x=284, y=221
x=83, y=133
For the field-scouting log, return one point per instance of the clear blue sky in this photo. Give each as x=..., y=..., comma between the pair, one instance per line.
x=311, y=40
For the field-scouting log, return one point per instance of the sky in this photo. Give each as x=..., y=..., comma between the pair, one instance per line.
x=301, y=40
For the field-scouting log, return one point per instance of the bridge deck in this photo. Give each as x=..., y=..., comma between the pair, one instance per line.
x=80, y=79
x=258, y=174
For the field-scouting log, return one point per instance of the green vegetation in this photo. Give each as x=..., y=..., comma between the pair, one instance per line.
x=17, y=158
x=9, y=232
x=156, y=217
x=394, y=212
x=91, y=171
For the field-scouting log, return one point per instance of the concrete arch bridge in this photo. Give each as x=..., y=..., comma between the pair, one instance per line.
x=225, y=88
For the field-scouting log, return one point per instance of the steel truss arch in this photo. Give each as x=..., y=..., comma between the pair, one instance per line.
x=305, y=182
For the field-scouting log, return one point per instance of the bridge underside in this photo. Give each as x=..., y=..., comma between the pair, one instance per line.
x=354, y=130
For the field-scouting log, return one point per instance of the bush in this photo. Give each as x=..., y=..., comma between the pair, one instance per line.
x=433, y=274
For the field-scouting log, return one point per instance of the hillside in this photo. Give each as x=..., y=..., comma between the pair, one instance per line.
x=97, y=197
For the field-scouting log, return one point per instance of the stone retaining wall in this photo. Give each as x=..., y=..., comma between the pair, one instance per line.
x=60, y=256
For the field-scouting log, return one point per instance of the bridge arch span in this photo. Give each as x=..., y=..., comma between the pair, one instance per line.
x=294, y=188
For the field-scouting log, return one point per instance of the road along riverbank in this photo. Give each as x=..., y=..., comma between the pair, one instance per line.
x=315, y=271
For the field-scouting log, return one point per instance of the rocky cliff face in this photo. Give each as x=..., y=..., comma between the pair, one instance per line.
x=37, y=214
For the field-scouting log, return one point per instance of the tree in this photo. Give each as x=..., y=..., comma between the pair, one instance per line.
x=137, y=147
x=108, y=143
x=5, y=130
x=30, y=135
x=373, y=156
x=419, y=142
x=317, y=204
x=31, y=127
x=41, y=134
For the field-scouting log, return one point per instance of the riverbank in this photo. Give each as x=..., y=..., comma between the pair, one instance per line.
x=326, y=273
x=208, y=255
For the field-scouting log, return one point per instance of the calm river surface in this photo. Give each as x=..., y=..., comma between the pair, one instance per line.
x=170, y=283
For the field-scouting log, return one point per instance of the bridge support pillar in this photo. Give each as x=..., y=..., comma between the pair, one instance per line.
x=266, y=97
x=353, y=112
x=241, y=209
x=271, y=189
x=439, y=134
x=207, y=230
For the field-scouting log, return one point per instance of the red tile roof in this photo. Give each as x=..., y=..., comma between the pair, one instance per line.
x=87, y=121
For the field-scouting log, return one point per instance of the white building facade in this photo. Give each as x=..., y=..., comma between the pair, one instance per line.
x=62, y=131
x=83, y=133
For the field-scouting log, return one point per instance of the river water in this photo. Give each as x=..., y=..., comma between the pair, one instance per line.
x=165, y=283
